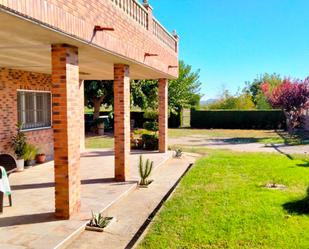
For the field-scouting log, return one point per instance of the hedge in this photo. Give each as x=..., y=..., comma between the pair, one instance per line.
x=174, y=120
x=238, y=119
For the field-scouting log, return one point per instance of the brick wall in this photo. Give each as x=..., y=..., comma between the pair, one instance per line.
x=10, y=81
x=78, y=18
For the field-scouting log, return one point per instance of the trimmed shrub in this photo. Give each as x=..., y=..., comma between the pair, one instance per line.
x=174, y=120
x=151, y=126
x=238, y=119
x=151, y=115
x=151, y=142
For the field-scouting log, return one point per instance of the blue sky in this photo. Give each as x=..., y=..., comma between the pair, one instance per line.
x=233, y=41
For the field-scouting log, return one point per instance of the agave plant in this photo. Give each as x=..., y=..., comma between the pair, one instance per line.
x=145, y=171
x=99, y=221
x=178, y=153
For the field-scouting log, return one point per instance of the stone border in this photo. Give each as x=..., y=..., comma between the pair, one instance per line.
x=140, y=234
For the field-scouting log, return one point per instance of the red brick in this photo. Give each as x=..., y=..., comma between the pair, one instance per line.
x=163, y=115
x=67, y=130
x=122, y=120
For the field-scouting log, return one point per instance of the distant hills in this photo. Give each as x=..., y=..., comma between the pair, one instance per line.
x=207, y=102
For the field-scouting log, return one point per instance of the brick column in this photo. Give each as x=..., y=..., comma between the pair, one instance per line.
x=121, y=120
x=163, y=114
x=82, y=116
x=66, y=125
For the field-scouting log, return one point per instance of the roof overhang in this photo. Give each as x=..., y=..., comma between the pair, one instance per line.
x=25, y=44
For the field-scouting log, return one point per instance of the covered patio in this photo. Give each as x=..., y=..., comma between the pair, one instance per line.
x=52, y=48
x=31, y=223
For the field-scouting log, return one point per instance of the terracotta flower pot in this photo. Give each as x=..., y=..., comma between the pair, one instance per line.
x=41, y=158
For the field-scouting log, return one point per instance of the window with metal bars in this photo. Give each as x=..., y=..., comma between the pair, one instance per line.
x=34, y=109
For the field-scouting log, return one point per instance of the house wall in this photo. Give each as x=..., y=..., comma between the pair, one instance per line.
x=10, y=82
x=78, y=18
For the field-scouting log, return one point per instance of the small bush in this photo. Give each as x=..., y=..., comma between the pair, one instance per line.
x=30, y=152
x=151, y=114
x=151, y=142
x=151, y=126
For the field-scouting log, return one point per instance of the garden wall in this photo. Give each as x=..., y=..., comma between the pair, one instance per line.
x=238, y=119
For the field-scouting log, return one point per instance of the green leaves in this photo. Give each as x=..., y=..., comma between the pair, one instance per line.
x=184, y=91
x=19, y=141
x=98, y=90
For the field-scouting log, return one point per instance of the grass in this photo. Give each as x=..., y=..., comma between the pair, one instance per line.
x=229, y=136
x=222, y=203
x=97, y=142
x=242, y=136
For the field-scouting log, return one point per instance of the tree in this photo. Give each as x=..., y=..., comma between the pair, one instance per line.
x=292, y=96
x=254, y=89
x=144, y=94
x=240, y=101
x=98, y=92
x=184, y=91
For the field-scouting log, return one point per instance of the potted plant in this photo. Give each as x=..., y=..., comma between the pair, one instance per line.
x=178, y=153
x=18, y=144
x=40, y=158
x=98, y=222
x=145, y=171
x=29, y=154
x=99, y=125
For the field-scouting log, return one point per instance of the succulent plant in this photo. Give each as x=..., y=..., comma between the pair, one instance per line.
x=98, y=220
x=145, y=171
x=178, y=153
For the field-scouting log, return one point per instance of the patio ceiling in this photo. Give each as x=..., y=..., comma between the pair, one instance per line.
x=26, y=45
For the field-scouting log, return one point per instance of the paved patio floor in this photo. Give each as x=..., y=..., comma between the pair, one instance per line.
x=139, y=204
x=30, y=223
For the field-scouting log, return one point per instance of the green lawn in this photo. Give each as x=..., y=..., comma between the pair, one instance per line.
x=97, y=142
x=222, y=203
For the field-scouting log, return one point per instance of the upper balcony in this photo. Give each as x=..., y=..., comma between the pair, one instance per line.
x=131, y=35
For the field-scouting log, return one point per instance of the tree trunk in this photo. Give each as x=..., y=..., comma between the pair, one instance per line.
x=96, y=107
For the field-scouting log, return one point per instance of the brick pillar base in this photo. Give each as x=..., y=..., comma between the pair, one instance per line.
x=163, y=114
x=121, y=121
x=66, y=124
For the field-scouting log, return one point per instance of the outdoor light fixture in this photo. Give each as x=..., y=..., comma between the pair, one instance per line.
x=100, y=28
x=172, y=66
x=149, y=54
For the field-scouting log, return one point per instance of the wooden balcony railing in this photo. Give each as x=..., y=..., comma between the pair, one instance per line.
x=140, y=14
